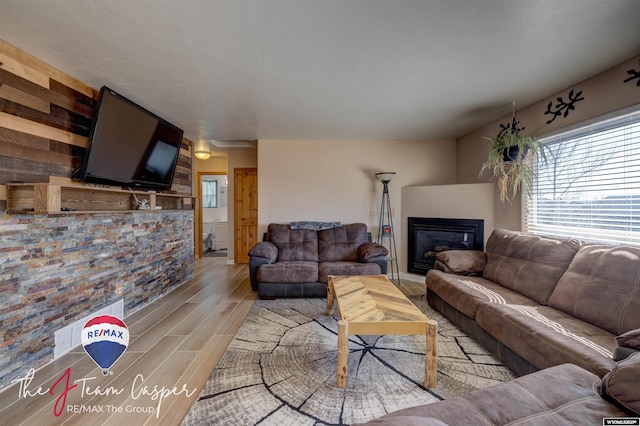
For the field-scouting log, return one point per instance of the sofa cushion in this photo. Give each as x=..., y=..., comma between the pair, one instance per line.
x=345, y=268
x=288, y=272
x=341, y=243
x=293, y=244
x=466, y=293
x=526, y=263
x=545, y=336
x=620, y=385
x=561, y=395
x=602, y=286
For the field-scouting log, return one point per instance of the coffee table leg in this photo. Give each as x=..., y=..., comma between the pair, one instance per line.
x=330, y=297
x=343, y=354
x=431, y=361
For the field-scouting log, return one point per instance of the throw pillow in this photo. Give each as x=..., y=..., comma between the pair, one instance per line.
x=463, y=262
x=630, y=339
x=620, y=385
x=368, y=250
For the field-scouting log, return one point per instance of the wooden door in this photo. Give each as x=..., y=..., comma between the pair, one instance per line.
x=245, y=212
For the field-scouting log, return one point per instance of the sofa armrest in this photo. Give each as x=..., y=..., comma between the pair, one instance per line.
x=368, y=251
x=266, y=250
x=461, y=262
x=262, y=253
x=620, y=385
x=254, y=264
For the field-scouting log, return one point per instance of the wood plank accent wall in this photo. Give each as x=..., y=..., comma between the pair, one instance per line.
x=56, y=269
x=45, y=120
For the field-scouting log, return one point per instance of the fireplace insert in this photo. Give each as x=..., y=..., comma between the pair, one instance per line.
x=428, y=236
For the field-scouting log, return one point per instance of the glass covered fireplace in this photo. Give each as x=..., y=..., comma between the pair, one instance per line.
x=428, y=236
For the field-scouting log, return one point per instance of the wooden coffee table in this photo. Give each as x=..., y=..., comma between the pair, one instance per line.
x=371, y=304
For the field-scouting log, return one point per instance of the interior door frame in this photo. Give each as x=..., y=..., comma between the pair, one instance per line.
x=199, y=234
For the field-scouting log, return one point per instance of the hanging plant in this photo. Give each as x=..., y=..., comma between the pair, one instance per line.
x=510, y=159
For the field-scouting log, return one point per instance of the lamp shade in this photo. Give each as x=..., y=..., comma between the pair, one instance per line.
x=385, y=177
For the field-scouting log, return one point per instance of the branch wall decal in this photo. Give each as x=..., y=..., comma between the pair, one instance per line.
x=634, y=75
x=562, y=107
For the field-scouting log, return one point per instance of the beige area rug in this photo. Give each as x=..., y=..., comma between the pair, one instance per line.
x=280, y=369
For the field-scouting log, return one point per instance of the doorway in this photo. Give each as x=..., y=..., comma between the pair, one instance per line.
x=212, y=214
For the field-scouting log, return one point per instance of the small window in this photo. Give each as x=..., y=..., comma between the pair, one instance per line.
x=209, y=194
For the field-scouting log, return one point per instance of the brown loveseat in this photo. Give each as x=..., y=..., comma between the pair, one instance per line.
x=537, y=302
x=296, y=262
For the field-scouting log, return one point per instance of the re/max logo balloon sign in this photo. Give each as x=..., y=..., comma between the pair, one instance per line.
x=105, y=338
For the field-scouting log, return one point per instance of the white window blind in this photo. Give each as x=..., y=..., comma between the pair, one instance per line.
x=589, y=186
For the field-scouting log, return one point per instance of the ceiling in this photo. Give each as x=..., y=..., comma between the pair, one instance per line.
x=336, y=69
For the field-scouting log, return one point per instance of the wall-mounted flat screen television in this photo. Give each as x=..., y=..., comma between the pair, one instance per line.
x=130, y=146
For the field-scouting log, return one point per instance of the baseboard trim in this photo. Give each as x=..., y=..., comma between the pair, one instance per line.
x=412, y=277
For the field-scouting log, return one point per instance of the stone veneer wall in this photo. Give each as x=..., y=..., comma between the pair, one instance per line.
x=56, y=269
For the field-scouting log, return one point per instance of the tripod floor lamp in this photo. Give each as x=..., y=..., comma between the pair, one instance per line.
x=386, y=236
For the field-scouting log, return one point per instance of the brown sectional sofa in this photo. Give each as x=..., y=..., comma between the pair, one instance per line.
x=296, y=262
x=560, y=395
x=561, y=306
x=537, y=302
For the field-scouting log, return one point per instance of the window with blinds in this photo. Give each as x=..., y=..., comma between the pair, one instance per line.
x=589, y=185
x=209, y=194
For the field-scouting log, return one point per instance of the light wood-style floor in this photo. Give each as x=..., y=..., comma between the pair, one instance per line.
x=175, y=343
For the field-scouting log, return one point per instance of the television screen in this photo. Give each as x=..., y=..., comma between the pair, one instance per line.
x=130, y=146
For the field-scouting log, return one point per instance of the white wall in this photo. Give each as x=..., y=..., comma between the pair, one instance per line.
x=334, y=180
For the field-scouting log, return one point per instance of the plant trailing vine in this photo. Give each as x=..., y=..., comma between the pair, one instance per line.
x=510, y=159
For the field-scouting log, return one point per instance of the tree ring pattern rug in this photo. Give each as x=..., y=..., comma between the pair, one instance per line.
x=280, y=369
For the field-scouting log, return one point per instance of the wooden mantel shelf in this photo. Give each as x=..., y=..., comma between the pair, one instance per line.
x=72, y=198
